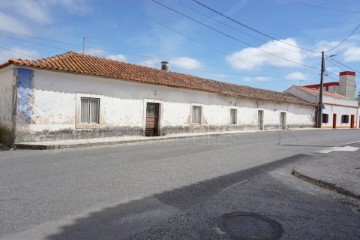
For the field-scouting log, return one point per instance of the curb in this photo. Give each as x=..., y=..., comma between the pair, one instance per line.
x=93, y=144
x=160, y=138
x=326, y=185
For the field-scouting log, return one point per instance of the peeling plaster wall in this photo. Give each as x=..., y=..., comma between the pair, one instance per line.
x=6, y=96
x=56, y=109
x=7, y=88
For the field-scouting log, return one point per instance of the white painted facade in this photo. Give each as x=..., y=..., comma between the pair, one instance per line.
x=55, y=111
x=334, y=106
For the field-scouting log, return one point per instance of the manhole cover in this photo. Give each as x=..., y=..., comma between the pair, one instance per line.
x=250, y=226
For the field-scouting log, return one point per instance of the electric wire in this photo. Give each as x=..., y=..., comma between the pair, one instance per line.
x=17, y=52
x=230, y=36
x=342, y=64
x=227, y=25
x=251, y=28
x=344, y=40
x=321, y=7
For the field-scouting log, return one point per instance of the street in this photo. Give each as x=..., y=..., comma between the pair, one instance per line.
x=173, y=189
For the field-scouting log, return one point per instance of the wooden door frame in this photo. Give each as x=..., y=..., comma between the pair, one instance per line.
x=352, y=121
x=334, y=120
x=146, y=101
x=283, y=123
x=261, y=125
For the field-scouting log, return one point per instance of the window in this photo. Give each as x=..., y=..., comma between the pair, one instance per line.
x=196, y=114
x=233, y=116
x=325, y=118
x=90, y=110
x=345, y=119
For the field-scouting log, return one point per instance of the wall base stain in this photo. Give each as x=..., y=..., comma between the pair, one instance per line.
x=73, y=134
x=6, y=136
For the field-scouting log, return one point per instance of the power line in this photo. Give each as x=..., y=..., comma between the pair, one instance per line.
x=344, y=39
x=222, y=23
x=41, y=38
x=251, y=28
x=345, y=65
x=229, y=36
x=227, y=25
x=321, y=7
x=17, y=52
x=173, y=30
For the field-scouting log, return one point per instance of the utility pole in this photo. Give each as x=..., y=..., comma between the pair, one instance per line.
x=320, y=106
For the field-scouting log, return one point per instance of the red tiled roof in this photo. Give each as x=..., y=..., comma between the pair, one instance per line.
x=315, y=92
x=328, y=84
x=73, y=62
x=347, y=73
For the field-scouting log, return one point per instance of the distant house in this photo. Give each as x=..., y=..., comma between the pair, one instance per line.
x=72, y=96
x=346, y=85
x=338, y=112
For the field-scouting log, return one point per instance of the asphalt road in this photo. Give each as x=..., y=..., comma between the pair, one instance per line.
x=116, y=192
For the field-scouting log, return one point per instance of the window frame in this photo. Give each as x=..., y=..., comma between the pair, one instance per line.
x=90, y=110
x=201, y=114
x=78, y=116
x=325, y=118
x=235, y=122
x=345, y=118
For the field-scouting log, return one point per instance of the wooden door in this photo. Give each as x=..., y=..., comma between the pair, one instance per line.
x=152, y=119
x=261, y=119
x=352, y=121
x=334, y=120
x=283, y=120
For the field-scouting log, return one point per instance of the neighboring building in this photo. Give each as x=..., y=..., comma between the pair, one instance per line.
x=346, y=85
x=73, y=96
x=338, y=112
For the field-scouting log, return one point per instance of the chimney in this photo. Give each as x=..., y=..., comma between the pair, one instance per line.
x=347, y=85
x=165, y=65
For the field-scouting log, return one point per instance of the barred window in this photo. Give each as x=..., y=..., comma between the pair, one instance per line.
x=90, y=110
x=325, y=118
x=233, y=116
x=345, y=119
x=196, y=114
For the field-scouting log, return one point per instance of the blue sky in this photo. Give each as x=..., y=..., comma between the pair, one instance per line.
x=268, y=44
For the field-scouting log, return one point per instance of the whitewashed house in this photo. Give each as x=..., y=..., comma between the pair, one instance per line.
x=73, y=96
x=338, y=112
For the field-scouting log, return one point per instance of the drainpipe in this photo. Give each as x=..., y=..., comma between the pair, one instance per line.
x=14, y=108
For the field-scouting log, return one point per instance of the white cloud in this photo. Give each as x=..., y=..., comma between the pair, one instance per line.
x=352, y=54
x=42, y=11
x=152, y=62
x=256, y=79
x=296, y=76
x=35, y=11
x=11, y=24
x=185, y=63
x=117, y=57
x=22, y=53
x=95, y=52
x=254, y=58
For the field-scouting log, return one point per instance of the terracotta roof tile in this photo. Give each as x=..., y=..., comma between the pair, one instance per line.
x=90, y=65
x=315, y=92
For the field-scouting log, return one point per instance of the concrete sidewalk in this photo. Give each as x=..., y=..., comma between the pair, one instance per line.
x=337, y=169
x=60, y=144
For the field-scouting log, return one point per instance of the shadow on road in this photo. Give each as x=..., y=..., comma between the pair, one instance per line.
x=124, y=220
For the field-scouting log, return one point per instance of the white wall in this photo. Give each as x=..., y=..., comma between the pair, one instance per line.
x=339, y=111
x=6, y=96
x=56, y=107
